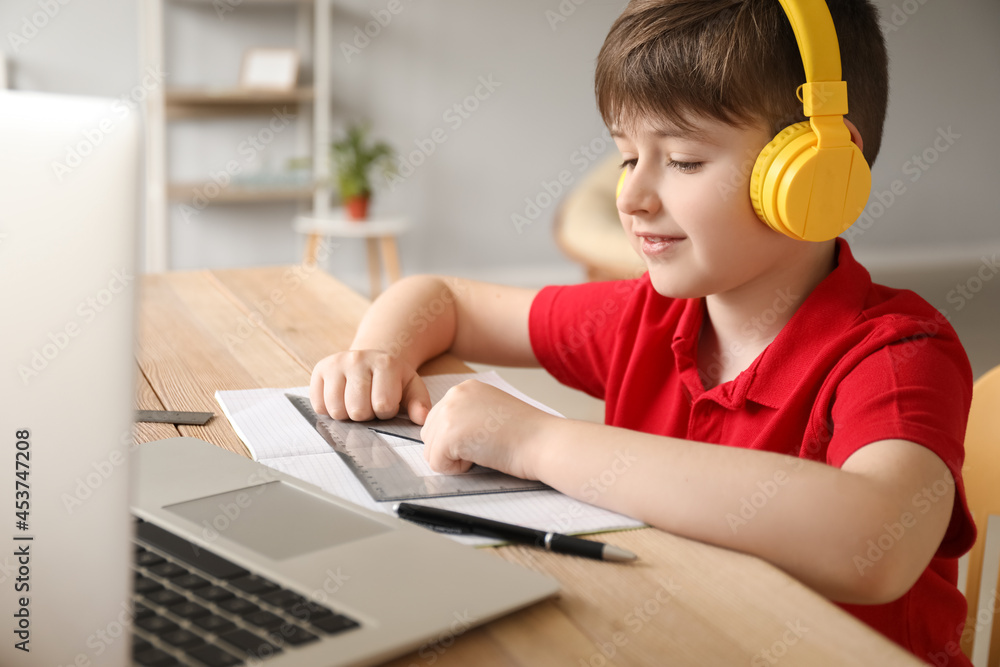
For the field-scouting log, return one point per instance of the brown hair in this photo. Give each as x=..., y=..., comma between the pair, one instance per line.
x=735, y=61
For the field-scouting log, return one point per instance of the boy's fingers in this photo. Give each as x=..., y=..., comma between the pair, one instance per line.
x=417, y=400
x=427, y=433
x=443, y=460
x=316, y=392
x=440, y=455
x=358, y=395
x=333, y=396
x=386, y=393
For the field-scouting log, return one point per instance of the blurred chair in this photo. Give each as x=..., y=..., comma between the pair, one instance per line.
x=588, y=229
x=982, y=485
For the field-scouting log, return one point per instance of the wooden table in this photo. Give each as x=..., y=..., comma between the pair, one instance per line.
x=682, y=603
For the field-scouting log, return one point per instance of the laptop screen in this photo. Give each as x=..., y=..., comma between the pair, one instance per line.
x=69, y=180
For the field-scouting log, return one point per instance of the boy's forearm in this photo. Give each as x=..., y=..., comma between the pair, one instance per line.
x=420, y=317
x=803, y=516
x=413, y=320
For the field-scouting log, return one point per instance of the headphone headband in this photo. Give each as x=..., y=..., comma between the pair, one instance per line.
x=825, y=92
x=817, y=38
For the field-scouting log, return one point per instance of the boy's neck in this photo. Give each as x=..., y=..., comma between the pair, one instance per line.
x=739, y=325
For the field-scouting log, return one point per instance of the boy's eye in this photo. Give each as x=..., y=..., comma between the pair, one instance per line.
x=684, y=167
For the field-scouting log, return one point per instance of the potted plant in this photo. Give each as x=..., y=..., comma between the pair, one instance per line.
x=353, y=158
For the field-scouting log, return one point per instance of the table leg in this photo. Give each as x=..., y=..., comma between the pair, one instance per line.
x=390, y=257
x=309, y=257
x=374, y=268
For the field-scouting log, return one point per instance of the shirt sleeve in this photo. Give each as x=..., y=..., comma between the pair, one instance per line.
x=574, y=329
x=918, y=389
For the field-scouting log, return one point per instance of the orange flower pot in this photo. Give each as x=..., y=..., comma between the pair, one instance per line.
x=357, y=208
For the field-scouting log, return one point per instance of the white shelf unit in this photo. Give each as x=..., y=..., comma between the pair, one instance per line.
x=164, y=105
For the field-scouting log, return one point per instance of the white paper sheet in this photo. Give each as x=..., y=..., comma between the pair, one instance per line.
x=279, y=437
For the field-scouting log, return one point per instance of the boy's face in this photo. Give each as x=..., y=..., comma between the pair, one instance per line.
x=686, y=209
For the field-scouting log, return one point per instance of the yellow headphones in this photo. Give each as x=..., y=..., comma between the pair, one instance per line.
x=811, y=182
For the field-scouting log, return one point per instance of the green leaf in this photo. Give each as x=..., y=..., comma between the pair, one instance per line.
x=354, y=157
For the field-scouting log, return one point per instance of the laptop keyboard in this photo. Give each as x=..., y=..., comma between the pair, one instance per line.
x=193, y=607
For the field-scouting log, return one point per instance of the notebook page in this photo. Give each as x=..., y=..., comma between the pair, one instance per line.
x=279, y=437
x=271, y=427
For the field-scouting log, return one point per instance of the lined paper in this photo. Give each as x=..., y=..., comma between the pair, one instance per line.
x=279, y=437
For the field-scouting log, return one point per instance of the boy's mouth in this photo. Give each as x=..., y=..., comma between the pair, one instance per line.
x=657, y=245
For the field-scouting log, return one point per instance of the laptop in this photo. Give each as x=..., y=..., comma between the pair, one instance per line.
x=174, y=552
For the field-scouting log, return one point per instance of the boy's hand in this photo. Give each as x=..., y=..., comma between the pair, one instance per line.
x=478, y=423
x=367, y=384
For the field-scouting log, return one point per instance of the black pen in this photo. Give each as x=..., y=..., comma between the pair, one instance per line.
x=474, y=525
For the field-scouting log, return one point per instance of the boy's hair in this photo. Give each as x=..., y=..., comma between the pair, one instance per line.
x=735, y=61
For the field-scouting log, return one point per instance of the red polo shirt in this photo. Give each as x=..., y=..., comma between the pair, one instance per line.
x=856, y=363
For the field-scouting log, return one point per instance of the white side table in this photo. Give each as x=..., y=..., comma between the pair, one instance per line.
x=379, y=233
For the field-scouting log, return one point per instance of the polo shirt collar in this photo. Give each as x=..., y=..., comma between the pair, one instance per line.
x=831, y=307
x=772, y=378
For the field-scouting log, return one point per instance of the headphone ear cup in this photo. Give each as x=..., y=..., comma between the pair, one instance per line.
x=806, y=193
x=764, y=200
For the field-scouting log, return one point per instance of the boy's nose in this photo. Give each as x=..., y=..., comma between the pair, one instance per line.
x=638, y=195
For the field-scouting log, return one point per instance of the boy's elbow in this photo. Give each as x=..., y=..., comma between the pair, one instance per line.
x=876, y=577
x=418, y=280
x=879, y=589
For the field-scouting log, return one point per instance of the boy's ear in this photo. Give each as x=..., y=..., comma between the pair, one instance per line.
x=855, y=135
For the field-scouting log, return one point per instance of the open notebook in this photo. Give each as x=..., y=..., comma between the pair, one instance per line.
x=278, y=436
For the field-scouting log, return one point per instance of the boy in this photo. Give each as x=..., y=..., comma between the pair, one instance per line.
x=742, y=357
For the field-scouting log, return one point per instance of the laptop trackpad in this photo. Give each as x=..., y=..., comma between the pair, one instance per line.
x=276, y=519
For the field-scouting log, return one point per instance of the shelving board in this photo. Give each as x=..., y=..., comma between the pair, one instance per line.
x=188, y=192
